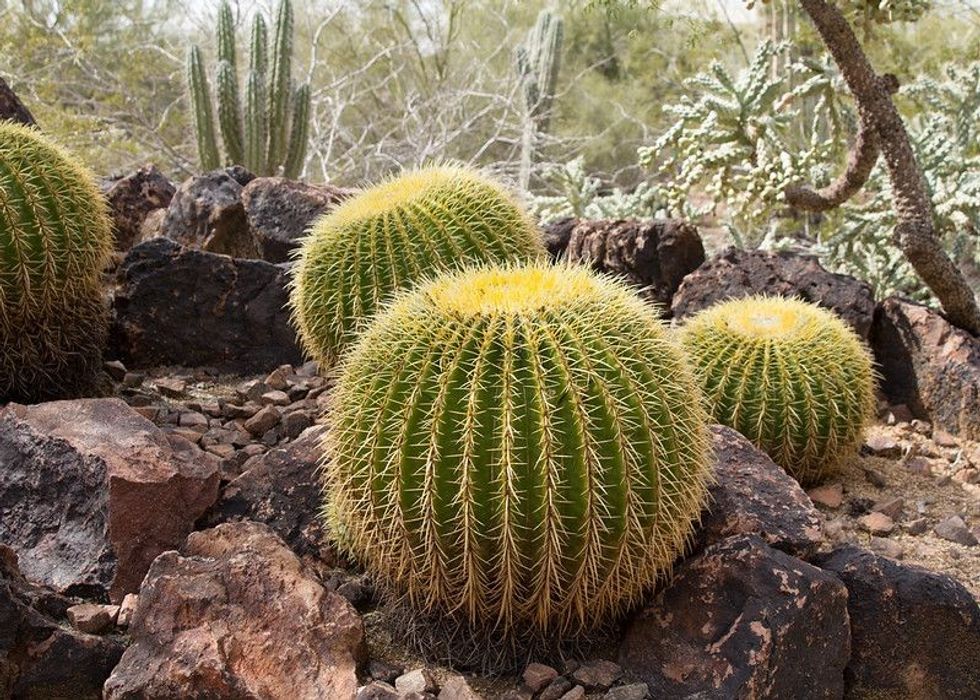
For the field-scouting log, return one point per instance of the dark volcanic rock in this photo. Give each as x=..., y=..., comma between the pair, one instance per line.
x=742, y=620
x=755, y=496
x=40, y=658
x=282, y=489
x=557, y=234
x=279, y=212
x=132, y=198
x=191, y=308
x=235, y=614
x=653, y=254
x=928, y=365
x=914, y=633
x=207, y=213
x=91, y=492
x=740, y=273
x=12, y=108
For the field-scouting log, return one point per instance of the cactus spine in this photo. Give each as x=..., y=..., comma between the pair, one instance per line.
x=519, y=445
x=538, y=64
x=790, y=376
x=55, y=240
x=273, y=128
x=390, y=236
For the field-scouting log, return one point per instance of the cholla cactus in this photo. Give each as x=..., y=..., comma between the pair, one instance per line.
x=55, y=240
x=275, y=129
x=790, y=376
x=522, y=446
x=390, y=236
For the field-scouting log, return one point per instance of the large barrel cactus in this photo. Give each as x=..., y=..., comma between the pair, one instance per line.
x=790, y=376
x=521, y=446
x=55, y=239
x=392, y=235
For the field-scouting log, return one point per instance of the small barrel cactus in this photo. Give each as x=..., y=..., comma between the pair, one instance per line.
x=392, y=235
x=55, y=240
x=790, y=376
x=523, y=446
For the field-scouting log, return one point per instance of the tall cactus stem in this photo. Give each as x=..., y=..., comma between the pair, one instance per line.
x=299, y=132
x=279, y=85
x=230, y=114
x=200, y=92
x=256, y=121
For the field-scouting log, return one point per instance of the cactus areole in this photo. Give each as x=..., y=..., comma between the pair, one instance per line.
x=789, y=375
x=391, y=236
x=522, y=447
x=55, y=240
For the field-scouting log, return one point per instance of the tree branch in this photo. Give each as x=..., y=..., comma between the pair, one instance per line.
x=915, y=232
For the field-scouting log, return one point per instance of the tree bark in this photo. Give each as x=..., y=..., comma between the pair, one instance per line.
x=915, y=233
x=11, y=108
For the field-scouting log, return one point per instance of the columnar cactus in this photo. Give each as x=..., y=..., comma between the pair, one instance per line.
x=390, y=236
x=790, y=376
x=538, y=62
x=523, y=446
x=55, y=240
x=275, y=129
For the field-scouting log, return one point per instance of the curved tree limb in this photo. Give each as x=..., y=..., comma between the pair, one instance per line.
x=915, y=233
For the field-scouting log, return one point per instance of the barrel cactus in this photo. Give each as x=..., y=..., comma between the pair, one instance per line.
x=55, y=240
x=790, y=376
x=394, y=234
x=522, y=447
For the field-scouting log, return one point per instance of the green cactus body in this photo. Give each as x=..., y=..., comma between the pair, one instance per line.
x=279, y=82
x=55, y=240
x=207, y=143
x=520, y=445
x=230, y=113
x=790, y=376
x=299, y=136
x=392, y=235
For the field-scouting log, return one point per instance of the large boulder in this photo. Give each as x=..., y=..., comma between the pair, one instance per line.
x=91, y=492
x=653, y=255
x=740, y=273
x=752, y=495
x=914, y=633
x=234, y=614
x=186, y=307
x=39, y=656
x=742, y=620
x=283, y=489
x=929, y=365
x=280, y=211
x=131, y=200
x=207, y=213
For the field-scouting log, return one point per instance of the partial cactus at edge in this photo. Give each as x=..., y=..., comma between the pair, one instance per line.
x=390, y=236
x=790, y=376
x=272, y=129
x=521, y=446
x=55, y=240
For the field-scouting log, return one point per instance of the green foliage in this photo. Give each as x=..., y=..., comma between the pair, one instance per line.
x=580, y=195
x=276, y=117
x=390, y=236
x=55, y=240
x=790, y=376
x=517, y=446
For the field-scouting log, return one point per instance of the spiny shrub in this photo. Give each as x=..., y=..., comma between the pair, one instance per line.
x=55, y=240
x=790, y=376
x=394, y=234
x=523, y=447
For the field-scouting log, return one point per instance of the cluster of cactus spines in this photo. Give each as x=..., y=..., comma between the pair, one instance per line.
x=789, y=375
x=390, y=236
x=55, y=240
x=272, y=129
x=522, y=446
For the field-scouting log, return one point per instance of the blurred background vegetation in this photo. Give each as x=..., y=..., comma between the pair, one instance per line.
x=396, y=83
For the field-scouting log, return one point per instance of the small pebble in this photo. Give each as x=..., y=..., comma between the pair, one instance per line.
x=91, y=618
x=828, y=495
x=953, y=529
x=876, y=523
x=536, y=676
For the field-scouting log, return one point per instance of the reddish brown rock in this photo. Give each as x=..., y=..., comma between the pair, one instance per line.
x=40, y=656
x=131, y=199
x=928, y=364
x=742, y=620
x=652, y=254
x=914, y=633
x=235, y=614
x=740, y=273
x=827, y=495
x=92, y=492
x=279, y=212
x=752, y=495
